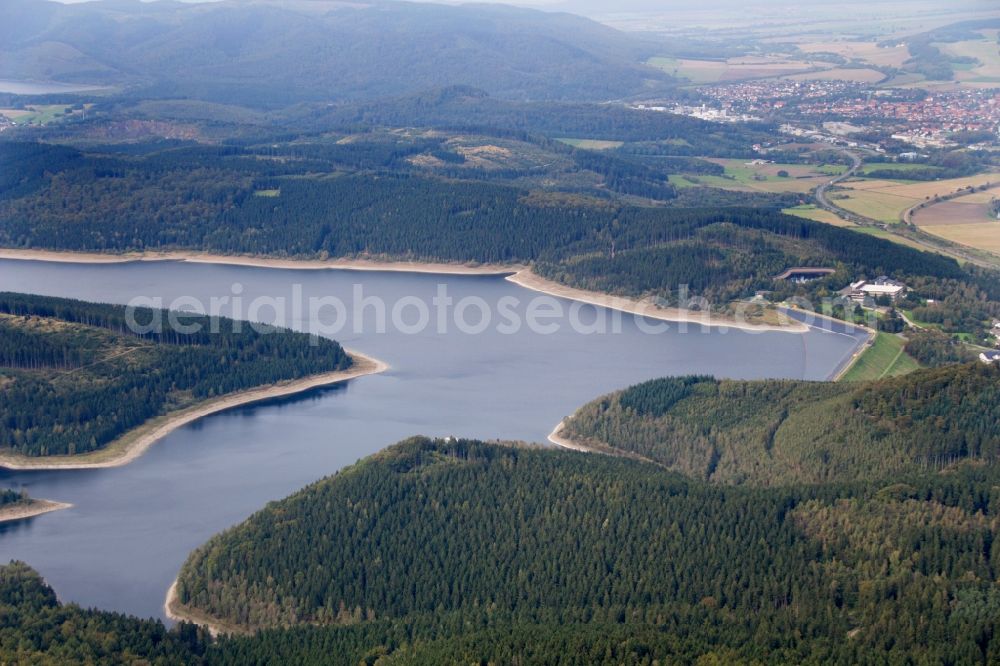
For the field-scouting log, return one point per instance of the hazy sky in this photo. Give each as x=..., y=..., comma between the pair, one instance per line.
x=751, y=7
x=613, y=6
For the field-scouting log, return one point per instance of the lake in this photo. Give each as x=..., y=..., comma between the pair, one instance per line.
x=132, y=527
x=45, y=87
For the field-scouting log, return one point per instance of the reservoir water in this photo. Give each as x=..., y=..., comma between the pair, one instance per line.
x=131, y=527
x=45, y=87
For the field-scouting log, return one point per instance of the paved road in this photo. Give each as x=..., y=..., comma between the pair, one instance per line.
x=822, y=200
x=913, y=233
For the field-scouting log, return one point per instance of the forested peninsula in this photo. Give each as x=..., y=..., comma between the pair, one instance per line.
x=460, y=551
x=17, y=505
x=78, y=384
x=777, y=432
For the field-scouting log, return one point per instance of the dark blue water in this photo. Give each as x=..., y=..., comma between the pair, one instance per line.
x=131, y=528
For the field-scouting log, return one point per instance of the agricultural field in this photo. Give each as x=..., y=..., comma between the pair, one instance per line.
x=982, y=236
x=37, y=114
x=886, y=200
x=816, y=214
x=950, y=213
x=868, y=52
x=682, y=181
x=812, y=212
x=875, y=204
x=930, y=189
x=591, y=144
x=743, y=176
x=900, y=167
x=872, y=184
x=968, y=220
x=854, y=74
x=910, y=80
x=734, y=69
x=984, y=197
x=986, y=51
x=889, y=236
x=884, y=358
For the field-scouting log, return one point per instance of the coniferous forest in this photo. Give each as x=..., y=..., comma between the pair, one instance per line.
x=74, y=377
x=9, y=496
x=460, y=551
x=615, y=225
x=689, y=156
x=778, y=432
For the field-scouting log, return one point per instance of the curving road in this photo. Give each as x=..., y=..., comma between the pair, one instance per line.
x=912, y=233
x=824, y=203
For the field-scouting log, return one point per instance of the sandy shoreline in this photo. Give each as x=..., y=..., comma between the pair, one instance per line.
x=132, y=445
x=441, y=268
x=557, y=438
x=176, y=614
x=529, y=280
x=562, y=442
x=34, y=507
x=518, y=274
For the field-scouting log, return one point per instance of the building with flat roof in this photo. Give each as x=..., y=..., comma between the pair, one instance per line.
x=804, y=274
x=881, y=286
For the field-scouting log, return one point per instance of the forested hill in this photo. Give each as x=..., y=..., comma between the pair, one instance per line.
x=437, y=552
x=276, y=54
x=329, y=199
x=73, y=377
x=372, y=195
x=784, y=432
x=37, y=629
x=472, y=107
x=463, y=552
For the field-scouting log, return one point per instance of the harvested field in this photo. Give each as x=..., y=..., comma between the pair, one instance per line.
x=889, y=236
x=886, y=200
x=811, y=212
x=856, y=75
x=867, y=184
x=734, y=69
x=591, y=144
x=933, y=188
x=984, y=236
x=869, y=52
x=873, y=204
x=985, y=51
x=979, y=197
x=953, y=212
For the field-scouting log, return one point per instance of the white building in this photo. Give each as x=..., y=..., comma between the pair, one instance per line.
x=880, y=286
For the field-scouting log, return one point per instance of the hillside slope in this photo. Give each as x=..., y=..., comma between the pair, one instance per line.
x=459, y=551
x=275, y=54
x=781, y=432
x=438, y=552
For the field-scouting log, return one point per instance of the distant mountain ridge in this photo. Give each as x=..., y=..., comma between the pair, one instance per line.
x=266, y=54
